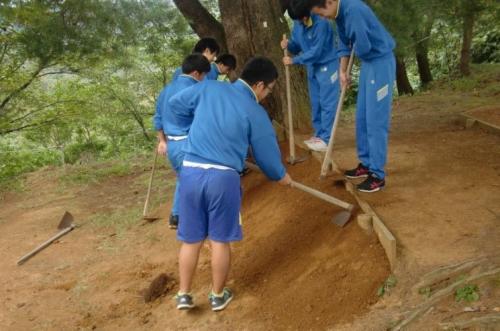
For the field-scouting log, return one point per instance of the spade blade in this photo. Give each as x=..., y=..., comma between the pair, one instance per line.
x=66, y=221
x=341, y=218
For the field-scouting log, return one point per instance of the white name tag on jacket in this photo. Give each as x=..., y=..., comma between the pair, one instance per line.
x=382, y=93
x=334, y=77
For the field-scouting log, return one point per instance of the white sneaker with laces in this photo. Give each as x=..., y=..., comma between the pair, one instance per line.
x=318, y=146
x=310, y=140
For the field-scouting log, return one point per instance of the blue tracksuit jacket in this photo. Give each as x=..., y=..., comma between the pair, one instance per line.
x=357, y=25
x=227, y=120
x=165, y=120
x=315, y=47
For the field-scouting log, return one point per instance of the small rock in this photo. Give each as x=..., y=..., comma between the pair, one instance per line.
x=496, y=309
x=471, y=309
x=21, y=304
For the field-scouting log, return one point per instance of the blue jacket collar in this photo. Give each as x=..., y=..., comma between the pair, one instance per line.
x=241, y=85
x=185, y=76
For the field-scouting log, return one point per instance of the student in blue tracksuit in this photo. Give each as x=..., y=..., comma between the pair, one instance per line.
x=358, y=26
x=171, y=132
x=226, y=64
x=209, y=48
x=312, y=41
x=227, y=120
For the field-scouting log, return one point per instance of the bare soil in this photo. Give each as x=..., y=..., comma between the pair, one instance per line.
x=294, y=269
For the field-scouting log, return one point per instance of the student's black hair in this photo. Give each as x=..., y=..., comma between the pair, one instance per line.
x=205, y=43
x=299, y=6
x=227, y=60
x=299, y=12
x=195, y=62
x=259, y=69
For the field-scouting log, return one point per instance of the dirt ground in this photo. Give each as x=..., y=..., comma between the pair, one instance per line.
x=294, y=270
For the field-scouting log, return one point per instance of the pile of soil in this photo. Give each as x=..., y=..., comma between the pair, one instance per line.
x=294, y=269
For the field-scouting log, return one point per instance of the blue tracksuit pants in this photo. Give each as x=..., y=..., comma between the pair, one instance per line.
x=324, y=94
x=176, y=156
x=373, y=112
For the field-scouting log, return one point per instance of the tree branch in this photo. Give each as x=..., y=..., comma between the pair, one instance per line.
x=202, y=22
x=44, y=107
x=19, y=90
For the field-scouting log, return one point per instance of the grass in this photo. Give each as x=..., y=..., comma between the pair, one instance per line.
x=85, y=174
x=387, y=286
x=468, y=292
x=119, y=220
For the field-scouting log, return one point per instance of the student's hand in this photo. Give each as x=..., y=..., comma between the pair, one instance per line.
x=286, y=180
x=284, y=44
x=345, y=79
x=162, y=148
x=287, y=60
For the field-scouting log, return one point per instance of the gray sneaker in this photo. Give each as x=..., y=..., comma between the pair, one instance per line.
x=219, y=303
x=184, y=301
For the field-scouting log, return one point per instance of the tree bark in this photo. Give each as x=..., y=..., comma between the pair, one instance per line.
x=422, y=53
x=257, y=28
x=202, y=22
x=403, y=83
x=424, y=69
x=468, y=25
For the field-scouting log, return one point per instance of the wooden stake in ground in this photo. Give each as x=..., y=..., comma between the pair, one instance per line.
x=328, y=156
x=146, y=204
x=292, y=159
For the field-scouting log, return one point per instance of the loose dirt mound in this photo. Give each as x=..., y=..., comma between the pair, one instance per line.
x=293, y=270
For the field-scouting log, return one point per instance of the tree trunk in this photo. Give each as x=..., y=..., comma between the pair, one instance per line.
x=424, y=70
x=201, y=21
x=468, y=26
x=403, y=83
x=422, y=53
x=257, y=28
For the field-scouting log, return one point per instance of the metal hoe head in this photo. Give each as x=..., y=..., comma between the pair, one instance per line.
x=150, y=218
x=341, y=218
x=66, y=221
x=294, y=159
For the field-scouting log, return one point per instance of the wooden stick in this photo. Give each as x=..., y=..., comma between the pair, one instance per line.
x=329, y=149
x=309, y=190
x=441, y=294
x=490, y=319
x=45, y=244
x=323, y=196
x=146, y=204
x=291, y=137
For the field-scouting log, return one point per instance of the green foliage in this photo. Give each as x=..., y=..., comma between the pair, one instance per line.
x=388, y=284
x=487, y=47
x=86, y=88
x=426, y=291
x=468, y=293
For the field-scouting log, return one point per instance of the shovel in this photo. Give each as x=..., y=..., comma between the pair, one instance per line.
x=66, y=225
x=146, y=204
x=340, y=218
x=328, y=156
x=292, y=159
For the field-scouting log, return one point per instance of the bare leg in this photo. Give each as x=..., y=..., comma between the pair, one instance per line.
x=221, y=262
x=188, y=259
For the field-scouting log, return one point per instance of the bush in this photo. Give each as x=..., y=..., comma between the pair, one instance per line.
x=487, y=47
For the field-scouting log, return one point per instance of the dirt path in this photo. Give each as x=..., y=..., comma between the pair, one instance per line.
x=442, y=200
x=294, y=269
